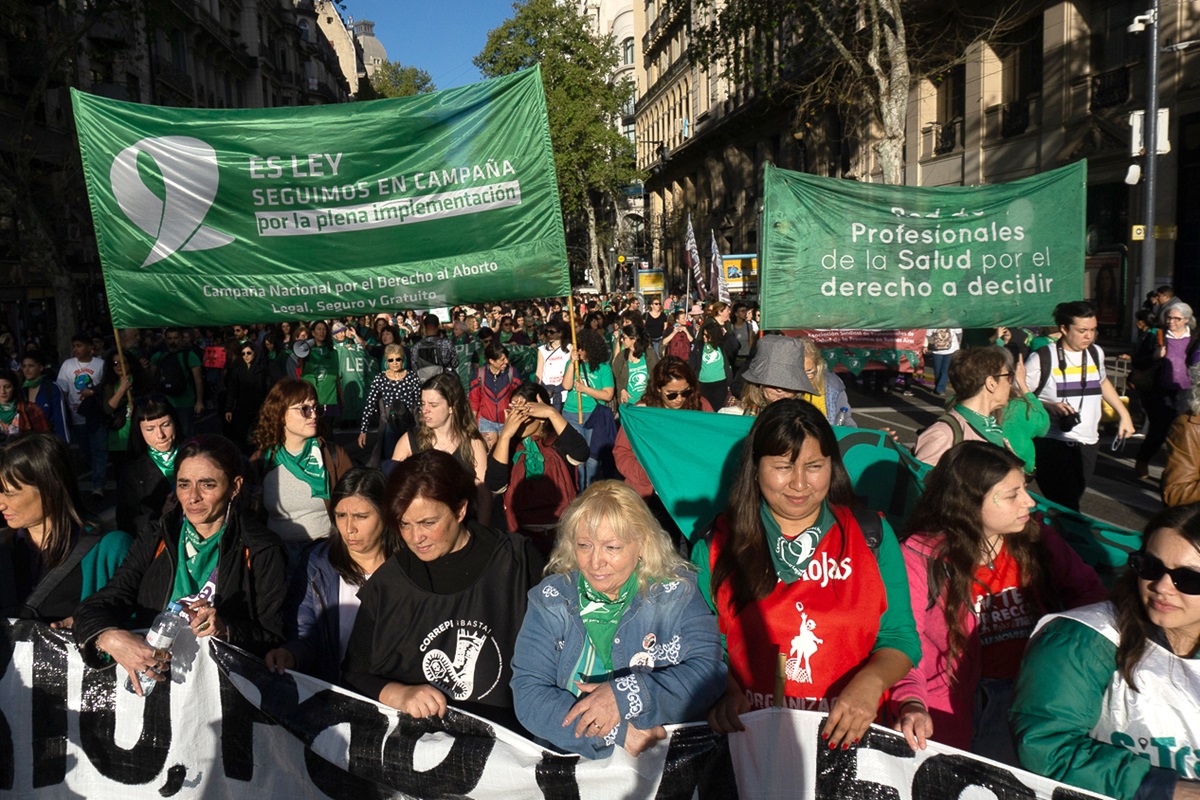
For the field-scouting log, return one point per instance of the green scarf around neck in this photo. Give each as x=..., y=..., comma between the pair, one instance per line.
x=984, y=424
x=164, y=461
x=535, y=462
x=196, y=559
x=308, y=466
x=8, y=412
x=32, y=382
x=601, y=615
x=791, y=556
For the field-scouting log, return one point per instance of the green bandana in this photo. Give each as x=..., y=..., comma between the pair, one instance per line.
x=535, y=462
x=33, y=382
x=196, y=560
x=601, y=616
x=985, y=426
x=8, y=412
x=308, y=466
x=791, y=556
x=164, y=461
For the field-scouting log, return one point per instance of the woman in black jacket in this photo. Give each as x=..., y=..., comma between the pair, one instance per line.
x=246, y=384
x=147, y=480
x=208, y=554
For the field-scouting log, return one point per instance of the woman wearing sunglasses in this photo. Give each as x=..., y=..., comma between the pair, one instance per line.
x=298, y=468
x=393, y=399
x=247, y=381
x=981, y=571
x=1109, y=695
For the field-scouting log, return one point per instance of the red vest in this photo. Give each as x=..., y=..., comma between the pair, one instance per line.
x=824, y=624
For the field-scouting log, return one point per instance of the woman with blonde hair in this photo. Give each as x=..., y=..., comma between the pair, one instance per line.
x=395, y=395
x=613, y=570
x=448, y=424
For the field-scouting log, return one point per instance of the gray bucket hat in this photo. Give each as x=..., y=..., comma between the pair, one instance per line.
x=779, y=362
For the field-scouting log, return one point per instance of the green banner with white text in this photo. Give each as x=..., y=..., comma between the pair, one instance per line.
x=866, y=255
x=207, y=216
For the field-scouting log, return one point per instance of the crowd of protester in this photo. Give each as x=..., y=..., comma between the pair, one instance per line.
x=492, y=480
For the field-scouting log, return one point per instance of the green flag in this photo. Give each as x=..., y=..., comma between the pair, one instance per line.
x=693, y=479
x=221, y=216
x=866, y=255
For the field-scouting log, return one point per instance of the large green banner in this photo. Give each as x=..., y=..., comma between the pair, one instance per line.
x=222, y=216
x=843, y=254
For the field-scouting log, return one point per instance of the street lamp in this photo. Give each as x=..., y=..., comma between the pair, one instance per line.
x=1148, y=23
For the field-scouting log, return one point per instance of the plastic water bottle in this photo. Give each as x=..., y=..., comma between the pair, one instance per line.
x=161, y=637
x=842, y=414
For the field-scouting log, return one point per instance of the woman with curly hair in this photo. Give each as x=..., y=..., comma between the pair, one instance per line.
x=1109, y=695
x=448, y=424
x=588, y=380
x=981, y=571
x=296, y=498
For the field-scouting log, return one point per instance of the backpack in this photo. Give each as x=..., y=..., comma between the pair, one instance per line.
x=942, y=339
x=397, y=416
x=679, y=346
x=172, y=376
x=427, y=360
x=952, y=422
x=1043, y=354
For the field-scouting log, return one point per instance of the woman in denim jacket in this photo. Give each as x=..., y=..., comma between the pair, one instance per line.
x=617, y=641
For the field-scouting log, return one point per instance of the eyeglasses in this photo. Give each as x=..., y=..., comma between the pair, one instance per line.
x=247, y=352
x=1151, y=568
x=676, y=395
x=307, y=411
x=1008, y=375
x=398, y=360
x=1176, y=319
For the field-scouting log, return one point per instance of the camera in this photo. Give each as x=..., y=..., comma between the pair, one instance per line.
x=1066, y=423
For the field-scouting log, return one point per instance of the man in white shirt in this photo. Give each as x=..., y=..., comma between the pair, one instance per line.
x=79, y=378
x=1068, y=377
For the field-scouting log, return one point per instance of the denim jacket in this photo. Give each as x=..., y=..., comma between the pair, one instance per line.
x=666, y=653
x=311, y=617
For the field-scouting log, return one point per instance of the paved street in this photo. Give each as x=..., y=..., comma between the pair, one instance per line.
x=1114, y=495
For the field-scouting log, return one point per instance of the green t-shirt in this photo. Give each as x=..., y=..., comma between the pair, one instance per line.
x=639, y=379
x=353, y=365
x=187, y=398
x=602, y=378
x=1025, y=419
x=321, y=370
x=712, y=365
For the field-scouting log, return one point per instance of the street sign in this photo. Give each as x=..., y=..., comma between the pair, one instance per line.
x=1139, y=233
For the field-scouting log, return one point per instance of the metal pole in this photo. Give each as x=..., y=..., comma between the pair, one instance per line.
x=1149, y=282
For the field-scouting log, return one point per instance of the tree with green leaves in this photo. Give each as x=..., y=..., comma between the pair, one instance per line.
x=392, y=79
x=594, y=162
x=845, y=59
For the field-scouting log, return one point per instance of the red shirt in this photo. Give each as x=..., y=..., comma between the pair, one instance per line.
x=1006, y=615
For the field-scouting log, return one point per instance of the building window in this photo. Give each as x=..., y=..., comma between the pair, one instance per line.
x=179, y=50
x=1110, y=42
x=951, y=108
x=1021, y=62
x=627, y=51
x=305, y=32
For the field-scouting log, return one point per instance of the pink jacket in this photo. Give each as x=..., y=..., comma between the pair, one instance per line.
x=951, y=707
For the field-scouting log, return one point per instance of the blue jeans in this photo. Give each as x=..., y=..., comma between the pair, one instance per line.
x=588, y=470
x=92, y=439
x=941, y=371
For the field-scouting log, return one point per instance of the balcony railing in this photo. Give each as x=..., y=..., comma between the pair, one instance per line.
x=946, y=138
x=1110, y=88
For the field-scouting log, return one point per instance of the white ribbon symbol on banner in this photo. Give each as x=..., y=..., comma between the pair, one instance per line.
x=189, y=172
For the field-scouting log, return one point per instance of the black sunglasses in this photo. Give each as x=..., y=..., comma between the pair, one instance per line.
x=394, y=360
x=675, y=395
x=1151, y=568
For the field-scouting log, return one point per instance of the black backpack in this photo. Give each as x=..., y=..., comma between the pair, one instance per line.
x=427, y=360
x=1043, y=354
x=172, y=376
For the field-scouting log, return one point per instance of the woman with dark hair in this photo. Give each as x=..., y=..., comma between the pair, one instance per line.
x=296, y=497
x=323, y=601
x=633, y=364
x=448, y=425
x=208, y=553
x=1108, y=698
x=673, y=385
x=276, y=356
x=589, y=383
x=320, y=368
x=981, y=571
x=533, y=465
x=43, y=393
x=457, y=587
x=17, y=415
x=712, y=359
x=388, y=335
x=146, y=482
x=117, y=390
x=635, y=647
x=793, y=572
x=52, y=557
x=552, y=359
x=492, y=387
x=247, y=381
